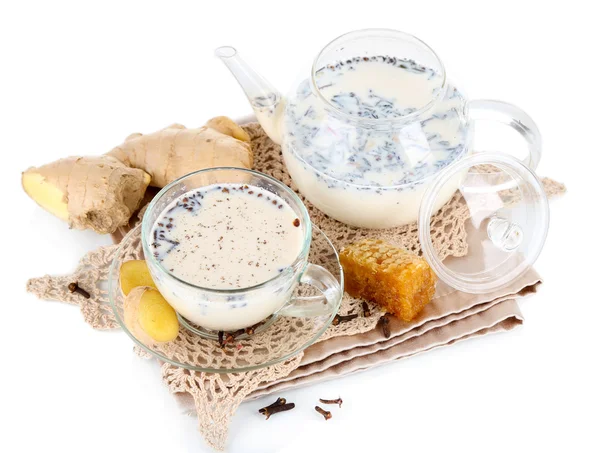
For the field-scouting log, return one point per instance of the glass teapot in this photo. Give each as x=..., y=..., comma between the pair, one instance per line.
x=376, y=136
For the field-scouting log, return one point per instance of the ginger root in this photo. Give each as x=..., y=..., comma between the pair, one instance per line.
x=134, y=273
x=149, y=317
x=176, y=151
x=101, y=193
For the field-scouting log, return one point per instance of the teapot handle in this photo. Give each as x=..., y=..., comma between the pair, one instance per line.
x=514, y=117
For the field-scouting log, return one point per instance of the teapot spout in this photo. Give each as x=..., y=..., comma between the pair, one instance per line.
x=266, y=101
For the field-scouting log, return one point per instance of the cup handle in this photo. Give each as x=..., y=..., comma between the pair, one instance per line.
x=514, y=117
x=326, y=303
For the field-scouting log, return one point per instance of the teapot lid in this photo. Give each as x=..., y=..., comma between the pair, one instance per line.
x=506, y=227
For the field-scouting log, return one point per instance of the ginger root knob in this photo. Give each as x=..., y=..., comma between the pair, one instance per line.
x=99, y=193
x=175, y=151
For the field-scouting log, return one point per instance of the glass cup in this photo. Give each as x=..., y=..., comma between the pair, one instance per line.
x=230, y=310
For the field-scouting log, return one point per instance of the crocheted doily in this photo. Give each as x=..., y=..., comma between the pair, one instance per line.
x=217, y=396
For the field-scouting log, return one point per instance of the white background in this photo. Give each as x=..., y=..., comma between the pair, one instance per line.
x=77, y=79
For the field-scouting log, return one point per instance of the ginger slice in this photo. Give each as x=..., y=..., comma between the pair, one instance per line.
x=149, y=317
x=100, y=193
x=400, y=282
x=134, y=273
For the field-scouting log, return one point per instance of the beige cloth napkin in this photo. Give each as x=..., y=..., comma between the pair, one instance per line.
x=452, y=316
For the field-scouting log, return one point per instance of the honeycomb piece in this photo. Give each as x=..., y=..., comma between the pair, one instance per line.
x=400, y=282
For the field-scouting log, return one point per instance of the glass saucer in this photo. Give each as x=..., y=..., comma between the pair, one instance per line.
x=278, y=339
x=214, y=335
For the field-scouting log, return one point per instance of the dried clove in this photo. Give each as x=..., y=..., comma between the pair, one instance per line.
x=239, y=332
x=339, y=319
x=74, y=288
x=248, y=331
x=323, y=412
x=268, y=411
x=280, y=402
x=384, y=322
x=336, y=401
x=226, y=338
x=366, y=311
